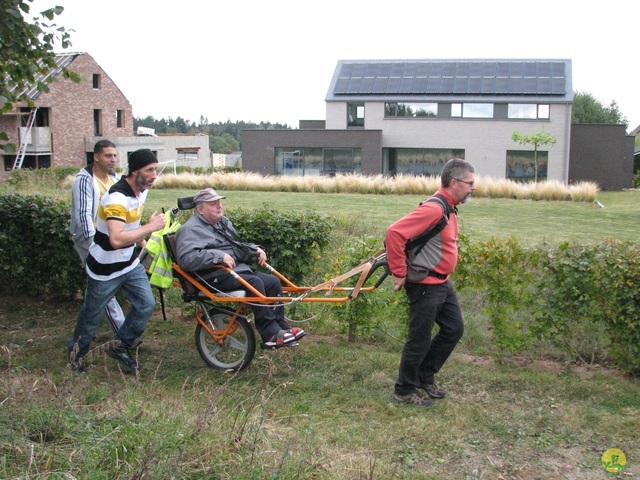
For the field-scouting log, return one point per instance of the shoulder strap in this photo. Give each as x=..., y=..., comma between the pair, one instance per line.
x=421, y=240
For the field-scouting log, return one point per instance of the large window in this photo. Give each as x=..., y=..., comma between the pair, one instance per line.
x=300, y=161
x=355, y=114
x=521, y=165
x=472, y=110
x=528, y=110
x=412, y=110
x=418, y=161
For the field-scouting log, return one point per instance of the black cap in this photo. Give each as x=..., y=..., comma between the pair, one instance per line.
x=141, y=158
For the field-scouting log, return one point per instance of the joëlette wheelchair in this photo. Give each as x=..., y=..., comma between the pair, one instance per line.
x=224, y=336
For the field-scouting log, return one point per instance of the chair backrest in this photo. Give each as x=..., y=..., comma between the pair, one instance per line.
x=186, y=203
x=170, y=240
x=187, y=286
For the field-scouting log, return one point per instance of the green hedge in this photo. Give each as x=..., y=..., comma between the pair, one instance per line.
x=36, y=252
x=557, y=293
x=292, y=240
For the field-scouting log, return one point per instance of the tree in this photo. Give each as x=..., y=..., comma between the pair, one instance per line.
x=543, y=137
x=27, y=52
x=587, y=109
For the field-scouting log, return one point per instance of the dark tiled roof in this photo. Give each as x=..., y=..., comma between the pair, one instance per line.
x=410, y=78
x=62, y=60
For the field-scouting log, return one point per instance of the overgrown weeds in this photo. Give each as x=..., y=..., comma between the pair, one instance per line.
x=323, y=410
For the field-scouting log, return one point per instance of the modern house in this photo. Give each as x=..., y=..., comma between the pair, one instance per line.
x=410, y=116
x=63, y=126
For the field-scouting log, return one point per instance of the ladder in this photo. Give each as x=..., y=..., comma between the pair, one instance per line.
x=24, y=139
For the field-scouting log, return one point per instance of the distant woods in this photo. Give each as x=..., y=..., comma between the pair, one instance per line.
x=224, y=137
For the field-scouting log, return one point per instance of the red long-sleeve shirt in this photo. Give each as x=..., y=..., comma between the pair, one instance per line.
x=443, y=246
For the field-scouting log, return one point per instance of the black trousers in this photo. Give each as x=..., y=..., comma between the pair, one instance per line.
x=423, y=357
x=269, y=319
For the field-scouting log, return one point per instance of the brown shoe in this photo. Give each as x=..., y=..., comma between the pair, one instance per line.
x=434, y=390
x=414, y=398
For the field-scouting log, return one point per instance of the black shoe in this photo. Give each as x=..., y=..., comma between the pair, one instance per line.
x=434, y=390
x=414, y=398
x=136, y=343
x=127, y=363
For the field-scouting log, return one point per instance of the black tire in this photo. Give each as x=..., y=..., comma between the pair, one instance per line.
x=236, y=351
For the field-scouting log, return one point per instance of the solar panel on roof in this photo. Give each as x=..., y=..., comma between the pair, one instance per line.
x=346, y=70
x=515, y=85
x=448, y=69
x=367, y=85
x=544, y=69
x=371, y=70
x=516, y=69
x=434, y=84
x=410, y=70
x=406, y=85
x=503, y=69
x=529, y=85
x=358, y=70
x=474, y=85
x=396, y=70
x=460, y=84
x=475, y=69
x=462, y=70
x=354, y=85
x=420, y=85
x=543, y=86
x=436, y=69
x=393, y=85
x=530, y=69
x=446, y=85
x=341, y=85
x=557, y=69
x=442, y=77
x=380, y=85
x=558, y=86
x=422, y=70
x=489, y=69
x=488, y=85
x=502, y=85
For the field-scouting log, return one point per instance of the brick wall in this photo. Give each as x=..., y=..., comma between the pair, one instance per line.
x=71, y=115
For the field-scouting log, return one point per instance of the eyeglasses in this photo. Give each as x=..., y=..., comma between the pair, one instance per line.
x=470, y=183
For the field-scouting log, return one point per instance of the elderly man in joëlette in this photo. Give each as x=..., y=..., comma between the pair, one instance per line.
x=207, y=239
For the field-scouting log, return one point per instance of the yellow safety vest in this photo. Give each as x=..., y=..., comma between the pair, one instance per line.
x=160, y=271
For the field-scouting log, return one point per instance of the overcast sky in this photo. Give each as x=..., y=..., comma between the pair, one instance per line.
x=273, y=60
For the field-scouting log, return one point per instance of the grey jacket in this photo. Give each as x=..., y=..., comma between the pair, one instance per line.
x=85, y=199
x=200, y=245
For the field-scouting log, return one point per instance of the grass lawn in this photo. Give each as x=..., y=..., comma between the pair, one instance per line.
x=323, y=410
x=481, y=218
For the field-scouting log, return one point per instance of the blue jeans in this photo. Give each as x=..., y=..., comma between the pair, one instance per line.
x=423, y=357
x=136, y=288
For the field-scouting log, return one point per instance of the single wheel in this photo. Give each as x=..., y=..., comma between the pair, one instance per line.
x=235, y=351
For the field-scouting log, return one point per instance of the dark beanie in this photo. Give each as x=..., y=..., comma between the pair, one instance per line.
x=141, y=158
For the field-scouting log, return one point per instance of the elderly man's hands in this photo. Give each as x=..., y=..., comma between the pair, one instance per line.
x=228, y=261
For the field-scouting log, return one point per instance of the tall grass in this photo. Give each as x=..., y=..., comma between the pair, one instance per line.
x=378, y=185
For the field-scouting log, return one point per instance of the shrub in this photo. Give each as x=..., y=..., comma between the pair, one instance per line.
x=502, y=269
x=369, y=311
x=36, y=251
x=292, y=240
x=592, y=285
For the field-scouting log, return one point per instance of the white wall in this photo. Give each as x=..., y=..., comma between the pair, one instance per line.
x=485, y=142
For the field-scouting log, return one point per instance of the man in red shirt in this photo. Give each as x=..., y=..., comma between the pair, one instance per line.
x=432, y=298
